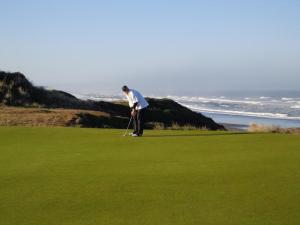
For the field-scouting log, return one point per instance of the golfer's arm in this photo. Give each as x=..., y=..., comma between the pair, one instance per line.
x=133, y=99
x=134, y=106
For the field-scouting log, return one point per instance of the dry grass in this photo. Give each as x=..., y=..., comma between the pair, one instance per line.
x=14, y=116
x=176, y=126
x=259, y=128
x=158, y=126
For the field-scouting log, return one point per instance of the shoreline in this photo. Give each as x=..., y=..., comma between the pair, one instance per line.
x=235, y=127
x=242, y=122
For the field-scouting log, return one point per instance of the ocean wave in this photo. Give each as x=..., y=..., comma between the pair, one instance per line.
x=242, y=113
x=226, y=106
x=95, y=97
x=295, y=107
x=213, y=100
x=264, y=97
x=287, y=99
x=264, y=107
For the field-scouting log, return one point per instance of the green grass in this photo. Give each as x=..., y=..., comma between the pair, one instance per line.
x=71, y=176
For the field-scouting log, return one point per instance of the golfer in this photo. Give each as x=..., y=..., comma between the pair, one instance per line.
x=138, y=104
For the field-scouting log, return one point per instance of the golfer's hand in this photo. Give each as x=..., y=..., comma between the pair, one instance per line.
x=133, y=112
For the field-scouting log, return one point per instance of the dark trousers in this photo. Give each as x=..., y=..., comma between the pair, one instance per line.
x=138, y=122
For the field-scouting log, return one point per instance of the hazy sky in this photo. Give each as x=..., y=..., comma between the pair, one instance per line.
x=160, y=47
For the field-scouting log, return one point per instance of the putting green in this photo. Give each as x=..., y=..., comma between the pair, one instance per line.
x=72, y=176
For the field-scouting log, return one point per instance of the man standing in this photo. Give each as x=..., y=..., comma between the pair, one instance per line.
x=138, y=104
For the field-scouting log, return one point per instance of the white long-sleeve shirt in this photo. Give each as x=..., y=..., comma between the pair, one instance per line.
x=133, y=97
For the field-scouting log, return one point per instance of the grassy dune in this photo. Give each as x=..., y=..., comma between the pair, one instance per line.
x=19, y=116
x=69, y=176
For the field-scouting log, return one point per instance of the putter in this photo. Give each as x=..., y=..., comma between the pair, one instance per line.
x=128, y=127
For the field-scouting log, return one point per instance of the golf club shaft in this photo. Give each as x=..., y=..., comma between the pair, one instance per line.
x=128, y=126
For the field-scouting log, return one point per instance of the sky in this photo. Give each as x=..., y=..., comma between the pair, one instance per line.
x=159, y=47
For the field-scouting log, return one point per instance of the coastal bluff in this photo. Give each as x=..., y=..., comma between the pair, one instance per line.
x=22, y=103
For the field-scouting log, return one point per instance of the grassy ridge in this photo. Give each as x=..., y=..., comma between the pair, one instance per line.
x=18, y=116
x=68, y=176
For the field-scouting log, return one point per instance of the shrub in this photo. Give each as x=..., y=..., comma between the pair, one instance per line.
x=158, y=126
x=259, y=128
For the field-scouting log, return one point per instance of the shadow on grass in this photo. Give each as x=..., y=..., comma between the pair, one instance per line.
x=196, y=135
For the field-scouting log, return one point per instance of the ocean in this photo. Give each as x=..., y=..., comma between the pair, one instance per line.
x=240, y=110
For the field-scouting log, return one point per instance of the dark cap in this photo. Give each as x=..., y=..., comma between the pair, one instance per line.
x=125, y=88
